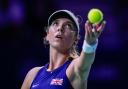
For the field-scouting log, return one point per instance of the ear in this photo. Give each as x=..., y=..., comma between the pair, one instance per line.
x=46, y=32
x=47, y=37
x=75, y=42
x=76, y=39
x=46, y=41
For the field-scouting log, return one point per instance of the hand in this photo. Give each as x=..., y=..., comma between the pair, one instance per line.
x=93, y=31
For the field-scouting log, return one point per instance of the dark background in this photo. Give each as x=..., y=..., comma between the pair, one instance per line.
x=22, y=30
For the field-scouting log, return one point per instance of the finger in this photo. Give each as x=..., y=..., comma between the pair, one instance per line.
x=90, y=29
x=101, y=27
x=94, y=28
x=94, y=32
x=87, y=28
x=97, y=26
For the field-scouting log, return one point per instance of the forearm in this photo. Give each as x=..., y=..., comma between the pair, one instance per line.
x=83, y=65
x=87, y=55
x=86, y=59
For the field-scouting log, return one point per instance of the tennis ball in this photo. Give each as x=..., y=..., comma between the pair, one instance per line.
x=95, y=16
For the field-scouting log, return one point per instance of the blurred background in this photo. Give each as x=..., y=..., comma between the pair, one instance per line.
x=22, y=25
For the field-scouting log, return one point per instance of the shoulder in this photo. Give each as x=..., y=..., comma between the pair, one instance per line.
x=29, y=77
x=34, y=70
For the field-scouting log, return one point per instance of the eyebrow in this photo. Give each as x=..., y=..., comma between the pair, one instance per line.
x=55, y=20
x=69, y=22
x=64, y=22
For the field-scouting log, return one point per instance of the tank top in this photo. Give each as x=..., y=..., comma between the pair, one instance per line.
x=56, y=79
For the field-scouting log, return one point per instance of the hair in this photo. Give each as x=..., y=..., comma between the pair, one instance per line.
x=73, y=51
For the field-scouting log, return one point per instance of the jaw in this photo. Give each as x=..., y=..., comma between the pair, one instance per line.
x=60, y=48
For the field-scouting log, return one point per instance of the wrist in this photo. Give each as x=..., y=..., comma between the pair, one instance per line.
x=87, y=48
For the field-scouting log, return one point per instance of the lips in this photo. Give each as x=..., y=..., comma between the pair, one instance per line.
x=58, y=36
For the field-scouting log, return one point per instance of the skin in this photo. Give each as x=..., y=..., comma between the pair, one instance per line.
x=78, y=70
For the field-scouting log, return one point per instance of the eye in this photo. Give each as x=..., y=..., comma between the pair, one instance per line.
x=55, y=23
x=69, y=26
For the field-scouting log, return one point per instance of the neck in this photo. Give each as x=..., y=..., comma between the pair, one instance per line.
x=57, y=58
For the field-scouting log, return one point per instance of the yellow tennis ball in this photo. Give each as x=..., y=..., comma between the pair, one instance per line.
x=95, y=16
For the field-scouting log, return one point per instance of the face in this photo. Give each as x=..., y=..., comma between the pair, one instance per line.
x=61, y=34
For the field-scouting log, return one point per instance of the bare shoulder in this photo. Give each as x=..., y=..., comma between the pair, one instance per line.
x=29, y=77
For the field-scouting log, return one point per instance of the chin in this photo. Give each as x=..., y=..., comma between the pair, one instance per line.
x=60, y=47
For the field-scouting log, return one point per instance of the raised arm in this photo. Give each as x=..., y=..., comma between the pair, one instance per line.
x=80, y=67
x=84, y=62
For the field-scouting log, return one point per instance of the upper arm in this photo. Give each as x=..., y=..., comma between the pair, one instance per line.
x=79, y=69
x=76, y=77
x=29, y=78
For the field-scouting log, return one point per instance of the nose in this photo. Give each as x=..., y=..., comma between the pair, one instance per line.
x=60, y=28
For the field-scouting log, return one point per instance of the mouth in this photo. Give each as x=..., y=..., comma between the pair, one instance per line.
x=58, y=37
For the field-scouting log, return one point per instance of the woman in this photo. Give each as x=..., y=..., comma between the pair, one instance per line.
x=66, y=68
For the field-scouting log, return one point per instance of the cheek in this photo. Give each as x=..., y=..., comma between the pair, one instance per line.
x=70, y=36
x=70, y=39
x=50, y=35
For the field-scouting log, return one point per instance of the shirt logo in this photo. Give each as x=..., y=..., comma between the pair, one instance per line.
x=56, y=81
x=35, y=85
